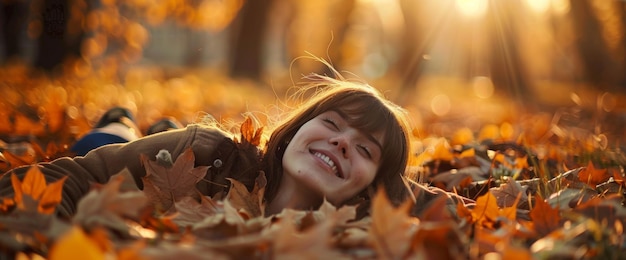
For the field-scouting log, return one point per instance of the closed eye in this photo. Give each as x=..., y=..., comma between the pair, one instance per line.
x=331, y=122
x=365, y=150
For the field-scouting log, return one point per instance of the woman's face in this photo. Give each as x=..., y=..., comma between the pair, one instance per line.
x=331, y=158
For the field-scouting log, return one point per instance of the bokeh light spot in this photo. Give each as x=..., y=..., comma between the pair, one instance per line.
x=483, y=87
x=440, y=105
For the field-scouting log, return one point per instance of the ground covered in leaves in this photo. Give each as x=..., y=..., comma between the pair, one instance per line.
x=539, y=187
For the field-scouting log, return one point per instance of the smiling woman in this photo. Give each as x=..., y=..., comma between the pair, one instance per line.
x=342, y=144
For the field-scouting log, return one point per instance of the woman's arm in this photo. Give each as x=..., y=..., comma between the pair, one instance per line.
x=100, y=164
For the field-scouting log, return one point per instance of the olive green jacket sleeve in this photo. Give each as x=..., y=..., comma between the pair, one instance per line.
x=211, y=147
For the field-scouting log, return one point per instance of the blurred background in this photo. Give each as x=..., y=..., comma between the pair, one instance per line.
x=521, y=66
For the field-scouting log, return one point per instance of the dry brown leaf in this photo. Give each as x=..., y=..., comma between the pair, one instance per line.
x=391, y=227
x=165, y=185
x=190, y=211
x=439, y=240
x=593, y=176
x=341, y=215
x=250, y=204
x=507, y=193
x=437, y=211
x=108, y=206
x=545, y=218
x=314, y=243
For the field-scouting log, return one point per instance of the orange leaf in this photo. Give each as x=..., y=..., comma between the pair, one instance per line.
x=593, y=176
x=486, y=209
x=545, y=218
x=34, y=183
x=52, y=196
x=248, y=203
x=17, y=189
x=391, y=227
x=76, y=244
x=249, y=134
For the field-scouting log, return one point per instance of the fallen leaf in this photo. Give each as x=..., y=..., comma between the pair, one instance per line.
x=605, y=210
x=45, y=197
x=314, y=243
x=391, y=227
x=166, y=185
x=250, y=204
x=109, y=207
x=486, y=209
x=190, y=211
x=439, y=240
x=593, y=176
x=76, y=244
x=545, y=218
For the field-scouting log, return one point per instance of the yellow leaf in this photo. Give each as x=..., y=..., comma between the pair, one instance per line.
x=75, y=244
x=490, y=131
x=462, y=136
x=468, y=153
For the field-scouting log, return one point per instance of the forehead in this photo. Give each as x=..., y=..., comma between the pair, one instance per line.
x=374, y=134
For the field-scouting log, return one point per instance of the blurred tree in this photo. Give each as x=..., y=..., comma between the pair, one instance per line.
x=61, y=32
x=248, y=37
x=603, y=60
x=14, y=15
x=506, y=69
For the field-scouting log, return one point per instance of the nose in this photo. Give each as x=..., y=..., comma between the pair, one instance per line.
x=342, y=143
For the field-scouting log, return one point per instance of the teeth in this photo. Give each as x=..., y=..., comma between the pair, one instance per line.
x=329, y=162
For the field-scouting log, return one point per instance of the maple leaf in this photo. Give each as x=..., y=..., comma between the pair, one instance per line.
x=593, y=176
x=545, y=218
x=508, y=193
x=190, y=211
x=486, y=209
x=340, y=215
x=314, y=243
x=45, y=197
x=165, y=185
x=107, y=206
x=250, y=204
x=391, y=227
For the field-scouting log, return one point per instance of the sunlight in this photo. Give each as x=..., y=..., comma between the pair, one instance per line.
x=539, y=6
x=472, y=8
x=560, y=7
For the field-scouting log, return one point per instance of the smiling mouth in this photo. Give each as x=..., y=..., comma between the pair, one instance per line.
x=330, y=163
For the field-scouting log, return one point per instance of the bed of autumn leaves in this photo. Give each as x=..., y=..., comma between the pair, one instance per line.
x=560, y=196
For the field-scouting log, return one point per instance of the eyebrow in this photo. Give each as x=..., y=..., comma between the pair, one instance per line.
x=367, y=135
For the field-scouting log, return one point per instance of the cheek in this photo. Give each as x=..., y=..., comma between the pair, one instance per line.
x=366, y=175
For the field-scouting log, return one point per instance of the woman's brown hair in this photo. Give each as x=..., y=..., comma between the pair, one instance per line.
x=366, y=109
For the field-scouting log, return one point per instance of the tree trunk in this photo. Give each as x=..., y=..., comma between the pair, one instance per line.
x=248, y=37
